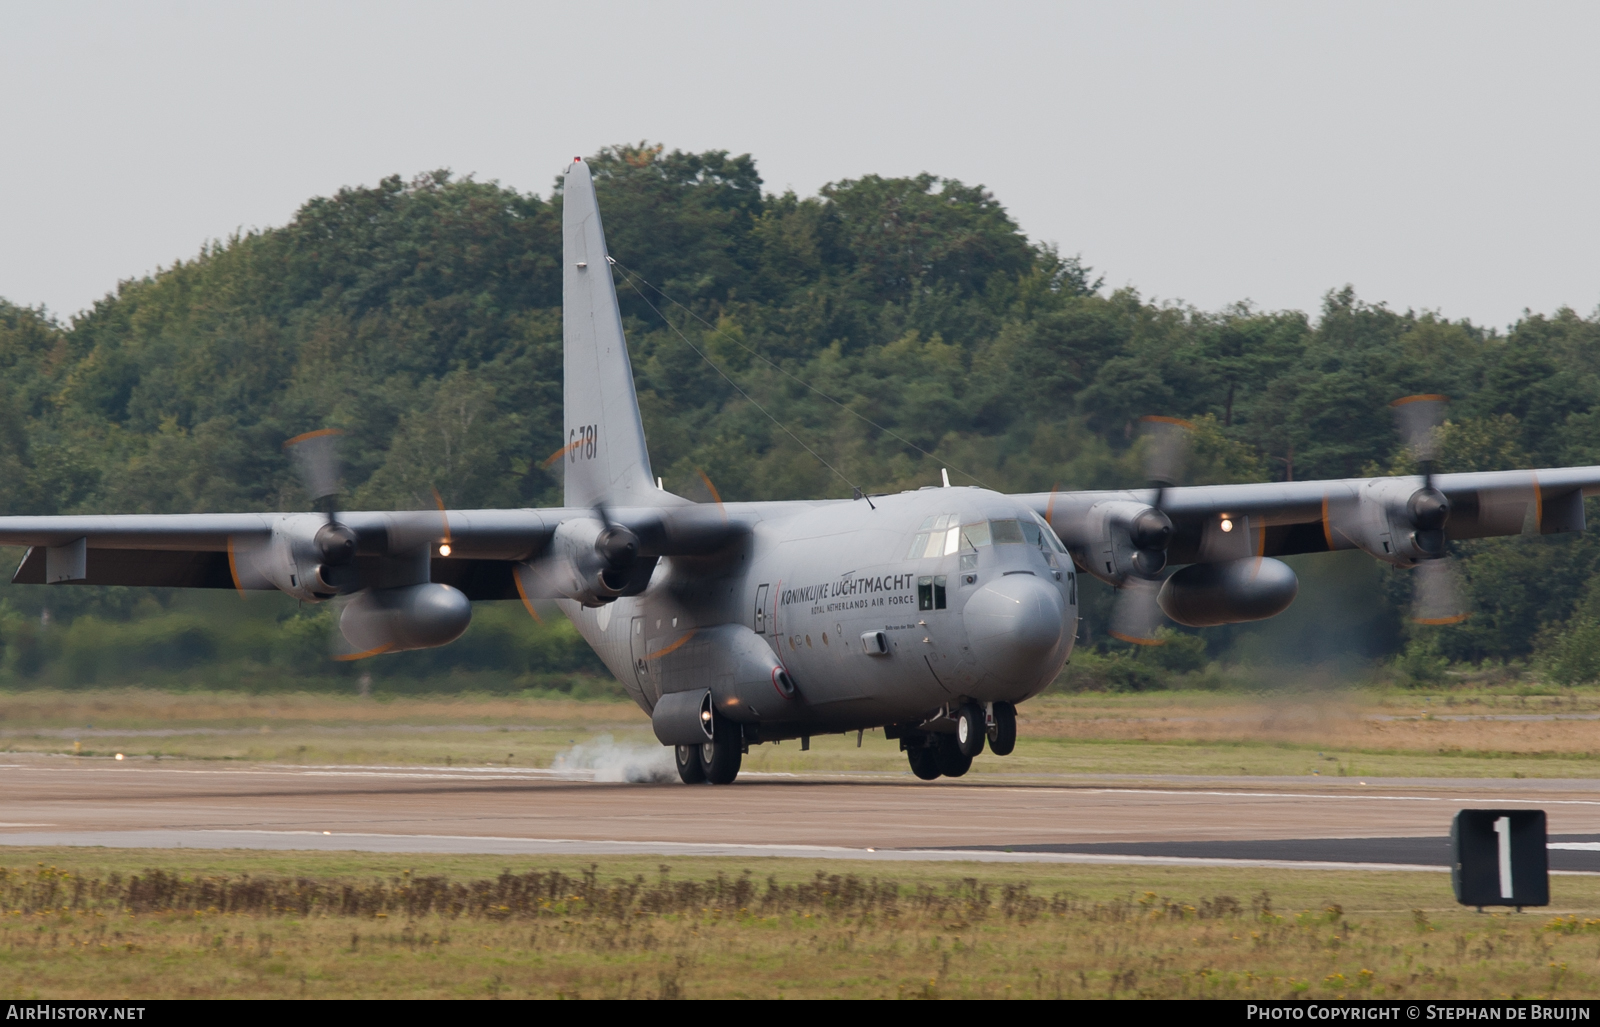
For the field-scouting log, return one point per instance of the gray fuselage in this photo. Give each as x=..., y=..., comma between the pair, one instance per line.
x=972, y=592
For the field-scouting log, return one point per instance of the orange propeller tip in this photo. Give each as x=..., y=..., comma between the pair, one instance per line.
x=349, y=657
x=563, y=451
x=716, y=496
x=319, y=433
x=1131, y=640
x=1431, y=397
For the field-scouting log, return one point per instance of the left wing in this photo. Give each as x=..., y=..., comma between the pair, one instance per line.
x=1128, y=538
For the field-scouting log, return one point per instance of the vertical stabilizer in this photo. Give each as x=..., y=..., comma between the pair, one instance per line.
x=605, y=458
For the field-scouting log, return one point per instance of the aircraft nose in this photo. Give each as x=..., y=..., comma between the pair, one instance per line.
x=1014, y=624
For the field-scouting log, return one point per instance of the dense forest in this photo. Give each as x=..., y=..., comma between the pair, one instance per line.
x=893, y=325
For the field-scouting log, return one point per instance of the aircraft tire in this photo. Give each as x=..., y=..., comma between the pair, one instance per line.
x=720, y=758
x=952, y=761
x=924, y=762
x=1003, y=735
x=690, y=770
x=970, y=730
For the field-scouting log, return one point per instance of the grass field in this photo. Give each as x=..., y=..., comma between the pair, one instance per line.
x=103, y=924
x=147, y=924
x=1394, y=734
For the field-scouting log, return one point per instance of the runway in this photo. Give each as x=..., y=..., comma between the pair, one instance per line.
x=1292, y=822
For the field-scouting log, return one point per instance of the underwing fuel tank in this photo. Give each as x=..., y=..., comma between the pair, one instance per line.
x=1232, y=592
x=411, y=617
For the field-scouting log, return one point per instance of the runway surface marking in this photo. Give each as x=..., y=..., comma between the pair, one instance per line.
x=511, y=810
x=488, y=845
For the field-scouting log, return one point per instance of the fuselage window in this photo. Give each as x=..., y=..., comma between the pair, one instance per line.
x=931, y=592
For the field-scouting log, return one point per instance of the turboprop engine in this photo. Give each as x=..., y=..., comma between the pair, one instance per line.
x=1231, y=592
x=1394, y=519
x=1123, y=539
x=594, y=562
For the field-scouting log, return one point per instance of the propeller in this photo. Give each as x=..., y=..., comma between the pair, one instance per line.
x=596, y=565
x=592, y=572
x=1135, y=614
x=1437, y=595
x=1404, y=525
x=316, y=458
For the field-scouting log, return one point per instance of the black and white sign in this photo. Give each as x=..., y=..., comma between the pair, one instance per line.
x=1500, y=858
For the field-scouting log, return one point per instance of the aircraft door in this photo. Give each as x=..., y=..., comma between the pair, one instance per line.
x=641, y=666
x=761, y=610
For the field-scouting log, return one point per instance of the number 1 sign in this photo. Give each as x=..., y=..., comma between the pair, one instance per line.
x=1500, y=858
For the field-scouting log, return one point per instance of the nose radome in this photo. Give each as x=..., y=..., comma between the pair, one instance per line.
x=1014, y=625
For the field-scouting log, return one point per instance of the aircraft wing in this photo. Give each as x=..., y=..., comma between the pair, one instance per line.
x=475, y=551
x=1374, y=514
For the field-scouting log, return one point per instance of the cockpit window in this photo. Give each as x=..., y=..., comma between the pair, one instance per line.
x=943, y=534
x=1051, y=540
x=938, y=535
x=1005, y=532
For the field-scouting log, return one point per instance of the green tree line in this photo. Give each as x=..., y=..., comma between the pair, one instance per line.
x=895, y=325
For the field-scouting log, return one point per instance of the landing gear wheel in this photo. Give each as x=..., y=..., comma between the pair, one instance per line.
x=947, y=752
x=924, y=762
x=1003, y=733
x=720, y=757
x=969, y=730
x=687, y=758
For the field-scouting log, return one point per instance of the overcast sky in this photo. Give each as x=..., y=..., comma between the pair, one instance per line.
x=1434, y=155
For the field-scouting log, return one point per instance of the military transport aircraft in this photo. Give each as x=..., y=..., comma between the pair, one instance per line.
x=930, y=614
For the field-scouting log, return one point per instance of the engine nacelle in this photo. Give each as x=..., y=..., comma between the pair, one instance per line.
x=295, y=558
x=387, y=620
x=1122, y=539
x=598, y=563
x=1233, y=592
x=1396, y=520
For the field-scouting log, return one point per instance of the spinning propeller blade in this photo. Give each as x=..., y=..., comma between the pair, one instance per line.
x=1135, y=614
x=1436, y=594
x=316, y=459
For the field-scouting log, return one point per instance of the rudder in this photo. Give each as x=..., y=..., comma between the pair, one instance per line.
x=604, y=454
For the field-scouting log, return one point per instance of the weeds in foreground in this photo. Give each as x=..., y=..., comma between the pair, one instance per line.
x=548, y=933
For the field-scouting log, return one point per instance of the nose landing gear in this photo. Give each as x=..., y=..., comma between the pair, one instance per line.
x=970, y=728
x=935, y=756
x=1003, y=730
x=924, y=764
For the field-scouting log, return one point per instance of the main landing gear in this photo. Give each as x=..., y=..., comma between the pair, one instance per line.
x=950, y=755
x=715, y=762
